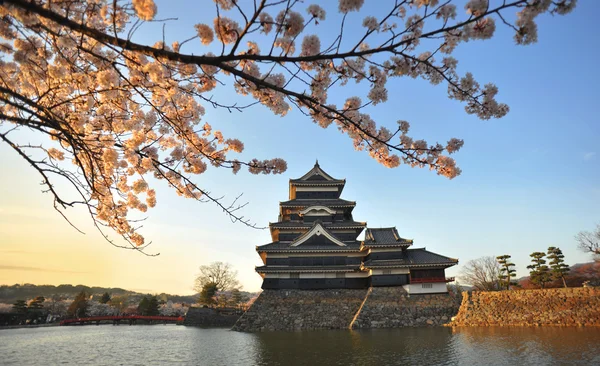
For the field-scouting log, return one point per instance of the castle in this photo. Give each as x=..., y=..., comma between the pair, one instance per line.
x=314, y=246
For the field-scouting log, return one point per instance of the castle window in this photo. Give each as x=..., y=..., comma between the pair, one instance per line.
x=387, y=271
x=426, y=285
x=340, y=275
x=294, y=275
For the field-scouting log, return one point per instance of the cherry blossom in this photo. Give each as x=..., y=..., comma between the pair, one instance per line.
x=121, y=117
x=266, y=21
x=316, y=11
x=227, y=30
x=346, y=6
x=226, y=4
x=311, y=45
x=476, y=7
x=144, y=9
x=205, y=33
x=290, y=22
x=371, y=23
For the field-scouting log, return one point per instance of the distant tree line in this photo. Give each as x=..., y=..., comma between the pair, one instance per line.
x=547, y=269
x=42, y=310
x=11, y=293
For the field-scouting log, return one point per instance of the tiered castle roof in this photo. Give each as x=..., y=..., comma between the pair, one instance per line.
x=316, y=220
x=385, y=237
x=412, y=258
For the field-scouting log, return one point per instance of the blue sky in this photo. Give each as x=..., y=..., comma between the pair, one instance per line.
x=530, y=180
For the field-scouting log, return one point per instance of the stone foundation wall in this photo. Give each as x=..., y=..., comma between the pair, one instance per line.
x=392, y=307
x=205, y=317
x=301, y=309
x=378, y=307
x=567, y=307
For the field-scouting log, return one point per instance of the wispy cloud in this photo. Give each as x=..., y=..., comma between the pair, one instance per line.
x=35, y=269
x=589, y=155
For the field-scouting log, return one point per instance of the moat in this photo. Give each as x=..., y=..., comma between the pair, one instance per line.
x=171, y=344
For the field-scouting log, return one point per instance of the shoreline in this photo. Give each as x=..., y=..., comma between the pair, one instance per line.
x=2, y=327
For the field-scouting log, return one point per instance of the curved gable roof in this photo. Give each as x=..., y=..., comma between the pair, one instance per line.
x=318, y=176
x=320, y=233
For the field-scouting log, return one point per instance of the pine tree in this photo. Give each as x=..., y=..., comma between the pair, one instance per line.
x=20, y=307
x=79, y=306
x=37, y=303
x=142, y=308
x=105, y=298
x=236, y=297
x=152, y=309
x=539, y=272
x=557, y=264
x=208, y=293
x=507, y=270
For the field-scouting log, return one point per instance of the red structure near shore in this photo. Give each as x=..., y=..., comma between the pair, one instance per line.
x=131, y=319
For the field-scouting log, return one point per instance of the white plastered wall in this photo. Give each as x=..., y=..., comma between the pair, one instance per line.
x=417, y=288
x=375, y=272
x=328, y=254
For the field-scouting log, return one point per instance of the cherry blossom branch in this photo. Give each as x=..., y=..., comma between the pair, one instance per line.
x=121, y=110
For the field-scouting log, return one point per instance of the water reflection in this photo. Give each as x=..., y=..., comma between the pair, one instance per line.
x=365, y=347
x=528, y=345
x=166, y=345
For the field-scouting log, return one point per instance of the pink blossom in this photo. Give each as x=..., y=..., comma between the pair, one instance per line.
x=291, y=22
x=403, y=126
x=205, y=33
x=447, y=167
x=56, y=154
x=226, y=4
x=235, y=145
x=253, y=48
x=287, y=45
x=454, y=145
x=236, y=166
x=378, y=95
x=273, y=166
x=346, y=6
x=447, y=12
x=139, y=186
x=266, y=21
x=371, y=23
x=476, y=7
x=430, y=3
x=481, y=29
x=227, y=30
x=565, y=6
x=311, y=45
x=144, y=9
x=316, y=11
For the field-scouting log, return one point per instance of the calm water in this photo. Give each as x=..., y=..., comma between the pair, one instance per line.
x=171, y=344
